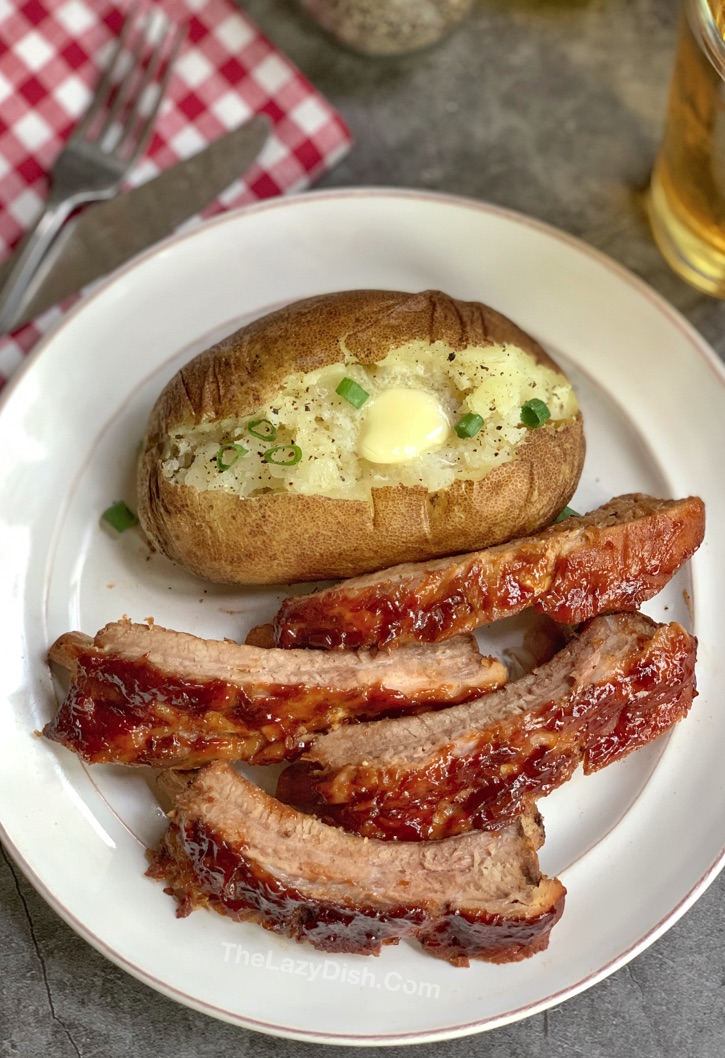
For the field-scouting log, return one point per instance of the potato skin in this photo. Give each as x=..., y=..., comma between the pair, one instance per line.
x=286, y=537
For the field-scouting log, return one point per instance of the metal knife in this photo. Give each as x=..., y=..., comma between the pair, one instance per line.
x=106, y=235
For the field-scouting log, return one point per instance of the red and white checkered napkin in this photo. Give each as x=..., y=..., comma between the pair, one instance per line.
x=50, y=55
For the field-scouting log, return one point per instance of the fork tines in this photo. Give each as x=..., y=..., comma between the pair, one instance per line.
x=121, y=116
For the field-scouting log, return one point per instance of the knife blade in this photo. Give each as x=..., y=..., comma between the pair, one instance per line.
x=108, y=234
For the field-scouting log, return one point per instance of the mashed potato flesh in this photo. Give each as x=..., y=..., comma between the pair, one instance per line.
x=493, y=382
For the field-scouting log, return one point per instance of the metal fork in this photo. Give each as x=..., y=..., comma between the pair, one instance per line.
x=112, y=134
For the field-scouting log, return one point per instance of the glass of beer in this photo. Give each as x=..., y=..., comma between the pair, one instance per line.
x=687, y=193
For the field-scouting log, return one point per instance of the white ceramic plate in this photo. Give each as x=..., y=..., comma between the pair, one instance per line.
x=635, y=845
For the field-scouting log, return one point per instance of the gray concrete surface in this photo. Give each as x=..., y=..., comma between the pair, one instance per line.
x=551, y=107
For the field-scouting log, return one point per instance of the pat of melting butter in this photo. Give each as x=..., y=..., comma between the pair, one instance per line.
x=401, y=424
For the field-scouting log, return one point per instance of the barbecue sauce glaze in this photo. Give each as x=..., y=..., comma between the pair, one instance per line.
x=491, y=776
x=128, y=712
x=201, y=869
x=567, y=574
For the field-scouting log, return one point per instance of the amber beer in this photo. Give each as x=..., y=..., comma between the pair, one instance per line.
x=687, y=192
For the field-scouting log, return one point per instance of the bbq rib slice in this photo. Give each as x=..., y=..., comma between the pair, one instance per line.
x=620, y=683
x=610, y=560
x=232, y=848
x=143, y=694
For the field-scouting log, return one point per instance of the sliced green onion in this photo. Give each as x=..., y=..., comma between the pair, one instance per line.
x=568, y=512
x=294, y=454
x=468, y=425
x=223, y=462
x=263, y=429
x=120, y=517
x=353, y=393
x=534, y=413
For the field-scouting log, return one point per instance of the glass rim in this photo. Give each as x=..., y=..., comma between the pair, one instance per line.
x=703, y=24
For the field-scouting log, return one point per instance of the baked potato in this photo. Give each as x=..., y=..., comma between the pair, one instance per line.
x=353, y=431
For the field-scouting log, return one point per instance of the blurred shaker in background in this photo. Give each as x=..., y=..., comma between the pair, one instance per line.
x=387, y=27
x=687, y=192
